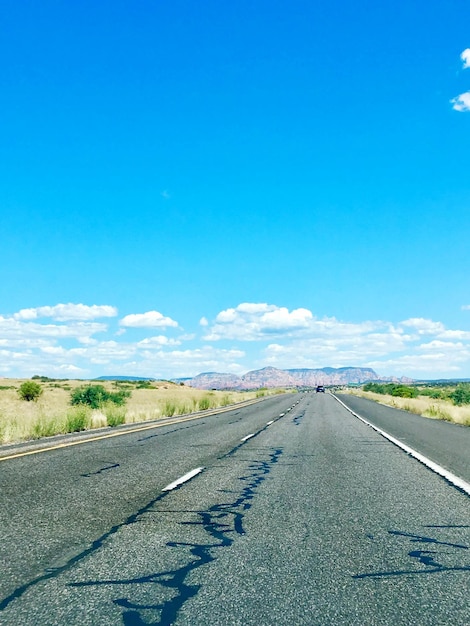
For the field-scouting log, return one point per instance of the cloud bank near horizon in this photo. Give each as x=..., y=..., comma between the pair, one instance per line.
x=66, y=340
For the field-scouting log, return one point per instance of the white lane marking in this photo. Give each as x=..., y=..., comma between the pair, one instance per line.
x=183, y=479
x=269, y=423
x=248, y=437
x=281, y=414
x=438, y=469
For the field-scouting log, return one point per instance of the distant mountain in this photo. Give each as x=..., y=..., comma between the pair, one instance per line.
x=273, y=377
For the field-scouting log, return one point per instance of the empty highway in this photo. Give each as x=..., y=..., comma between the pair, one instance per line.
x=291, y=511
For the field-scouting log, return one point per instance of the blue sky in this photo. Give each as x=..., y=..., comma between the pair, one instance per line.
x=189, y=187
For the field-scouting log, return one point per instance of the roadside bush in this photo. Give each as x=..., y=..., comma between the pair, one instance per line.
x=77, y=419
x=402, y=391
x=204, y=403
x=95, y=396
x=393, y=389
x=115, y=416
x=461, y=395
x=435, y=394
x=44, y=427
x=226, y=400
x=144, y=384
x=30, y=391
x=170, y=408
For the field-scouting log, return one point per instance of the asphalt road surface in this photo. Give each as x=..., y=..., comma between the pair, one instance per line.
x=293, y=512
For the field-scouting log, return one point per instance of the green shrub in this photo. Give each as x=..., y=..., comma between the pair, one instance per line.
x=225, y=400
x=461, y=395
x=402, y=391
x=30, y=390
x=204, y=403
x=144, y=384
x=183, y=409
x=435, y=394
x=43, y=427
x=169, y=409
x=78, y=419
x=393, y=389
x=115, y=416
x=95, y=396
x=119, y=397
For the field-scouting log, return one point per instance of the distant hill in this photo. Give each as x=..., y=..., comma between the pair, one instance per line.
x=273, y=377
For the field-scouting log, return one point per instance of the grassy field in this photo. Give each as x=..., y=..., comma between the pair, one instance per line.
x=424, y=405
x=52, y=413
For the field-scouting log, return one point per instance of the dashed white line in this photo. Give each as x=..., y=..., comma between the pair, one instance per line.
x=281, y=414
x=438, y=469
x=269, y=423
x=248, y=436
x=183, y=479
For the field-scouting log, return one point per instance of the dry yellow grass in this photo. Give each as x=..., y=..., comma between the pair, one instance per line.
x=422, y=405
x=52, y=413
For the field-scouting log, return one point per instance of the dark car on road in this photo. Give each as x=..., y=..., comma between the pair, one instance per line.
x=320, y=389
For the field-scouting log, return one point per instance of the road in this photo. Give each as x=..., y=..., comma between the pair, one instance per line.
x=297, y=514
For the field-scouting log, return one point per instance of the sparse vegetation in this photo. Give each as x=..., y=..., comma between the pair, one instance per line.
x=204, y=403
x=447, y=401
x=115, y=415
x=44, y=427
x=53, y=412
x=399, y=391
x=144, y=384
x=77, y=419
x=170, y=408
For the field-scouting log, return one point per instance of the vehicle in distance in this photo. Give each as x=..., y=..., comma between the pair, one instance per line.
x=320, y=389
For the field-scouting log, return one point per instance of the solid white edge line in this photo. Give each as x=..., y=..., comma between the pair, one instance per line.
x=452, y=478
x=248, y=437
x=183, y=479
x=269, y=423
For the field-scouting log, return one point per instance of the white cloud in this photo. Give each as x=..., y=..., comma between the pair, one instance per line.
x=424, y=326
x=459, y=335
x=12, y=329
x=461, y=103
x=159, y=340
x=203, y=321
x=465, y=56
x=254, y=321
x=150, y=319
x=67, y=312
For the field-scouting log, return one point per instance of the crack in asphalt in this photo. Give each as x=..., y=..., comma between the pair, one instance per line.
x=97, y=544
x=298, y=418
x=222, y=523
x=103, y=469
x=428, y=558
